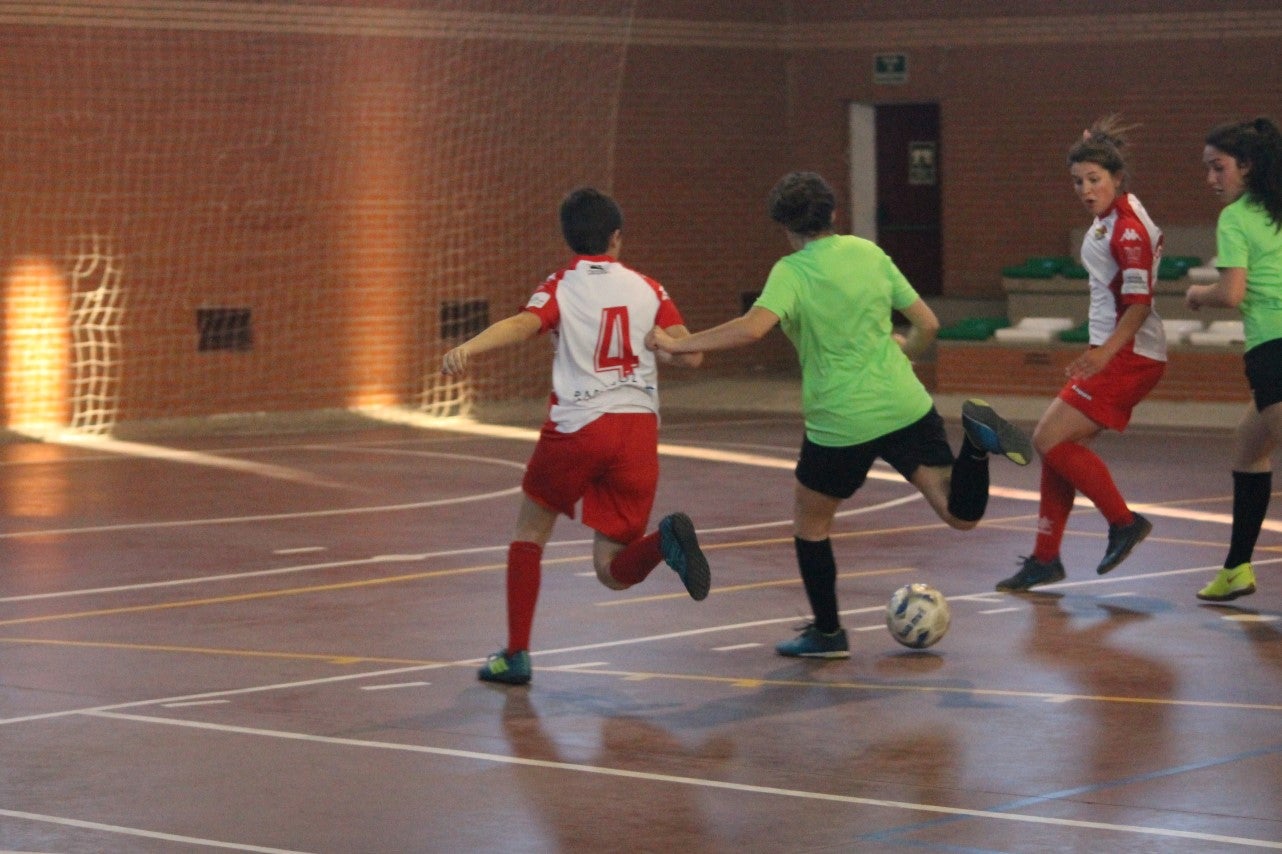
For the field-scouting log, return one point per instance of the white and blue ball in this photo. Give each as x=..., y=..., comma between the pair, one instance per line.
x=918, y=615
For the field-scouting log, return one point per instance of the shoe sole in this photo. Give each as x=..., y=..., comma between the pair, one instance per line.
x=844, y=653
x=1228, y=597
x=1016, y=447
x=1011, y=589
x=1109, y=566
x=502, y=678
x=698, y=577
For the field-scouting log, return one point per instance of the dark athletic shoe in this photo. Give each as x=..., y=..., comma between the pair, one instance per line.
x=1121, y=539
x=681, y=551
x=989, y=431
x=508, y=669
x=812, y=643
x=1033, y=573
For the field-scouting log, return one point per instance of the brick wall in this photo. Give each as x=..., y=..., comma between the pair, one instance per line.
x=342, y=168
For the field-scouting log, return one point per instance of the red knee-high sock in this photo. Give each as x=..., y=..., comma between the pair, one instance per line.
x=524, y=571
x=1081, y=467
x=635, y=562
x=1052, y=514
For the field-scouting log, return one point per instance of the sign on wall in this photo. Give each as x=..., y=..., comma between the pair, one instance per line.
x=890, y=68
x=922, y=168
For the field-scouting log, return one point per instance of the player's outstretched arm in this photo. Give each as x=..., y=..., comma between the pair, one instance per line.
x=747, y=329
x=504, y=333
x=685, y=360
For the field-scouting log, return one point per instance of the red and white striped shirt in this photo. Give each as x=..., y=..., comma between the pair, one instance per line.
x=598, y=313
x=1120, y=252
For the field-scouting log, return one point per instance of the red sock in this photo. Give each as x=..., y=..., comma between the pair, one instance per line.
x=1081, y=467
x=524, y=571
x=637, y=560
x=1052, y=514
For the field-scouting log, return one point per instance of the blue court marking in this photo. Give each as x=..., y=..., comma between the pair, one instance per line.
x=884, y=835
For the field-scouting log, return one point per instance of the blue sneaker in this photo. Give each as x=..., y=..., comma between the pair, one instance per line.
x=812, y=643
x=511, y=669
x=681, y=552
x=990, y=432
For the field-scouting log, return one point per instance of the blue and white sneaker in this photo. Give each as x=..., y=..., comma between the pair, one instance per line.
x=681, y=552
x=990, y=432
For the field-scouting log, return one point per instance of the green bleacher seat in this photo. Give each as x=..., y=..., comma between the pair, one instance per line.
x=1038, y=267
x=973, y=329
x=1079, y=334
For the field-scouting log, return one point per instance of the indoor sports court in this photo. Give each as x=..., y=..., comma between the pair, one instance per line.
x=268, y=643
x=254, y=538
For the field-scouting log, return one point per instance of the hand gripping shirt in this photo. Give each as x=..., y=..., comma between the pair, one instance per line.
x=1120, y=252
x=598, y=312
x=834, y=299
x=1245, y=237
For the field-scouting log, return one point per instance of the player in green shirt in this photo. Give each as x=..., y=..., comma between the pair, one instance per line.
x=833, y=298
x=1244, y=168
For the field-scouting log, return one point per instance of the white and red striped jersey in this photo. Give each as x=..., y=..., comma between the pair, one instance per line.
x=1120, y=252
x=598, y=313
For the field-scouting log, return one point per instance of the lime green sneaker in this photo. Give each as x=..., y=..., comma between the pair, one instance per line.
x=1229, y=584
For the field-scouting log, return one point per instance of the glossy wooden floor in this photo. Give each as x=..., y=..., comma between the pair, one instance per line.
x=268, y=643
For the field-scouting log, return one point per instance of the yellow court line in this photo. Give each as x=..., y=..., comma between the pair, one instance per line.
x=233, y=653
x=267, y=594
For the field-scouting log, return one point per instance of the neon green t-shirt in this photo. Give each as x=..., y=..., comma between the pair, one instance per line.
x=1245, y=237
x=833, y=299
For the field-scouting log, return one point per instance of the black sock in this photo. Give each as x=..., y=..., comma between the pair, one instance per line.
x=1251, y=492
x=968, y=488
x=819, y=575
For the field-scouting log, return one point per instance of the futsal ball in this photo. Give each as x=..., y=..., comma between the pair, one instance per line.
x=918, y=615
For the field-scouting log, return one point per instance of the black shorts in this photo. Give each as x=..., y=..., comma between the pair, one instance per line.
x=838, y=472
x=1264, y=373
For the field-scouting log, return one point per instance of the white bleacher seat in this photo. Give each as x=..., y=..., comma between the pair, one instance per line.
x=1033, y=330
x=1205, y=274
x=1179, y=329
x=1219, y=333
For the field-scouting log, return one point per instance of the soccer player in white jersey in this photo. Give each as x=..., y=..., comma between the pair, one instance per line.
x=1124, y=361
x=600, y=442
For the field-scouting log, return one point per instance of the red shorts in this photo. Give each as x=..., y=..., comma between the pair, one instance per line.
x=1108, y=397
x=612, y=465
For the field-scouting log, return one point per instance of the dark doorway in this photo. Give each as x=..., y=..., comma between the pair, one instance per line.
x=908, y=196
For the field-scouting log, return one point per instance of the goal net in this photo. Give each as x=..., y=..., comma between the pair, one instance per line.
x=229, y=208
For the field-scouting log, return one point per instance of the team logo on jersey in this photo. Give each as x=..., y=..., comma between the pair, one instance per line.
x=1130, y=234
x=1100, y=231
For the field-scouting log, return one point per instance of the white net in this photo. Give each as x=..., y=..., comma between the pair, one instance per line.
x=282, y=207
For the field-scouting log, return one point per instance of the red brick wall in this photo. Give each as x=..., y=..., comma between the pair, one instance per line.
x=342, y=167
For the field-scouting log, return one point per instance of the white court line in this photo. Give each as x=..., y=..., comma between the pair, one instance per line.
x=394, y=685
x=696, y=782
x=195, y=703
x=470, y=662
x=146, y=834
x=735, y=646
x=299, y=551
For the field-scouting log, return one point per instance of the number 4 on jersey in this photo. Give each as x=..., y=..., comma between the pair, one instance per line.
x=613, y=344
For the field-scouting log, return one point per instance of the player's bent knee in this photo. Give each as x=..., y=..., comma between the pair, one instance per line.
x=603, y=575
